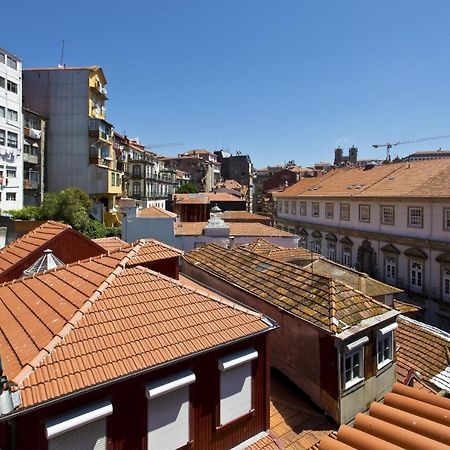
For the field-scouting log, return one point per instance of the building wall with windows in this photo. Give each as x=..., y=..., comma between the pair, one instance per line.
x=11, y=136
x=402, y=241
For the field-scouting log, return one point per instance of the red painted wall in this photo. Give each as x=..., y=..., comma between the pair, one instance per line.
x=127, y=426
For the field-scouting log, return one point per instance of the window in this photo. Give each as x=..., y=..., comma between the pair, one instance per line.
x=11, y=172
x=12, y=87
x=345, y=211
x=415, y=217
x=286, y=207
x=385, y=345
x=303, y=208
x=12, y=139
x=391, y=270
x=2, y=112
x=2, y=82
x=364, y=213
x=280, y=206
x=387, y=215
x=10, y=196
x=2, y=137
x=329, y=210
x=447, y=219
x=315, y=209
x=2, y=58
x=293, y=208
x=81, y=428
x=11, y=63
x=168, y=411
x=236, y=385
x=331, y=251
x=316, y=246
x=12, y=115
x=353, y=367
x=446, y=284
x=347, y=256
x=416, y=276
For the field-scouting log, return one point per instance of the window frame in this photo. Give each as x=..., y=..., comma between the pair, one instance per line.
x=347, y=251
x=360, y=377
x=12, y=115
x=416, y=288
x=446, y=216
x=361, y=209
x=2, y=82
x=445, y=283
x=344, y=206
x=392, y=262
x=385, y=334
x=3, y=112
x=8, y=141
x=3, y=138
x=11, y=86
x=11, y=62
x=293, y=207
x=10, y=194
x=303, y=209
x=286, y=206
x=410, y=224
x=329, y=208
x=314, y=212
x=383, y=218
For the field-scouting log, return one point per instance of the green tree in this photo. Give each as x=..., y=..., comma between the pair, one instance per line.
x=187, y=188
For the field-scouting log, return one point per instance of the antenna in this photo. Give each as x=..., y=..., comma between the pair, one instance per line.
x=62, y=54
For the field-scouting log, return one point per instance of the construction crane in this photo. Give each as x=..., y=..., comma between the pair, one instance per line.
x=412, y=141
x=172, y=144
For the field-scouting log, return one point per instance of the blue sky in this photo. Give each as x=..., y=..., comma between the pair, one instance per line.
x=279, y=80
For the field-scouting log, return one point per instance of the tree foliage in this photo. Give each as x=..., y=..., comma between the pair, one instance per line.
x=187, y=188
x=71, y=206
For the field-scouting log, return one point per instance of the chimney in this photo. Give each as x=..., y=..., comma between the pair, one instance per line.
x=362, y=279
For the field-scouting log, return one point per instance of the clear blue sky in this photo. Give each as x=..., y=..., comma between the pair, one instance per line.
x=279, y=80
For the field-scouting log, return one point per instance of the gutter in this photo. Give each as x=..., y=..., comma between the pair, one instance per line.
x=273, y=326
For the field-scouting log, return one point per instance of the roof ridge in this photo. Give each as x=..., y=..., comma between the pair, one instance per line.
x=332, y=307
x=70, y=324
x=162, y=244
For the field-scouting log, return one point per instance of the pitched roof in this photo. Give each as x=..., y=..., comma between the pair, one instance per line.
x=154, y=211
x=99, y=319
x=266, y=443
x=152, y=250
x=236, y=229
x=278, y=253
x=111, y=243
x=426, y=350
x=373, y=288
x=228, y=216
x=328, y=304
x=408, y=418
x=427, y=179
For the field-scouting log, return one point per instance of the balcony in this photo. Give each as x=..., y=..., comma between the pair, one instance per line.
x=100, y=130
x=104, y=180
x=32, y=159
x=99, y=89
x=30, y=184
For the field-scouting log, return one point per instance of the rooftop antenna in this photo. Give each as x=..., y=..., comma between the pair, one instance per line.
x=62, y=54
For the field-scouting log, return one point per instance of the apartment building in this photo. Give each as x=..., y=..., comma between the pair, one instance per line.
x=390, y=221
x=34, y=141
x=79, y=138
x=11, y=136
x=147, y=177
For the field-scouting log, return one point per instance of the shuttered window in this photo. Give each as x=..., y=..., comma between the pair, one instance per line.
x=168, y=412
x=83, y=428
x=236, y=385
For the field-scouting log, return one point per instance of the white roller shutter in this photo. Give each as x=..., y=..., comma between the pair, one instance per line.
x=91, y=436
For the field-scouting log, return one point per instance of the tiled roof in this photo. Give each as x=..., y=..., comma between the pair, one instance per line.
x=236, y=229
x=262, y=246
x=425, y=349
x=224, y=197
x=406, y=308
x=242, y=215
x=374, y=288
x=409, y=418
x=278, y=253
x=294, y=419
x=154, y=211
x=100, y=319
x=320, y=300
x=152, y=250
x=266, y=443
x=111, y=243
x=427, y=179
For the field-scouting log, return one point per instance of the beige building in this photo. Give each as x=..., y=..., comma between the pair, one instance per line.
x=390, y=221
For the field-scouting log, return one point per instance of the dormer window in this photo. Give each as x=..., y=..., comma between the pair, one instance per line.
x=353, y=370
x=385, y=345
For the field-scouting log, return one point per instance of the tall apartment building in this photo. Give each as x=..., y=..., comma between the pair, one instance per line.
x=11, y=135
x=390, y=221
x=79, y=139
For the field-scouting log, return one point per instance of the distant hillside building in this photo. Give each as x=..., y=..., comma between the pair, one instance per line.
x=340, y=159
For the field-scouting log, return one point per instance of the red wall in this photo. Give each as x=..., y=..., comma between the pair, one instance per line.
x=127, y=426
x=69, y=246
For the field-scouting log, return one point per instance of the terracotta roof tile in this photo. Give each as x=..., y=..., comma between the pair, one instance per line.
x=111, y=243
x=154, y=211
x=427, y=179
x=408, y=418
x=266, y=443
x=102, y=318
x=300, y=292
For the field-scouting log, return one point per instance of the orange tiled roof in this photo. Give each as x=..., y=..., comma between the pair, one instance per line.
x=266, y=443
x=152, y=250
x=328, y=304
x=154, y=211
x=242, y=215
x=283, y=254
x=224, y=197
x=427, y=179
x=30, y=242
x=96, y=320
x=251, y=229
x=111, y=243
x=409, y=418
x=426, y=350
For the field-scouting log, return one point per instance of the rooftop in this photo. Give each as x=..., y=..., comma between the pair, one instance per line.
x=100, y=319
x=409, y=418
x=155, y=211
x=426, y=179
x=426, y=350
x=322, y=301
x=111, y=243
x=242, y=215
x=236, y=229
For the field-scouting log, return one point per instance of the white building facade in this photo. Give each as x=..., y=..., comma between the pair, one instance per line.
x=11, y=132
x=403, y=240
